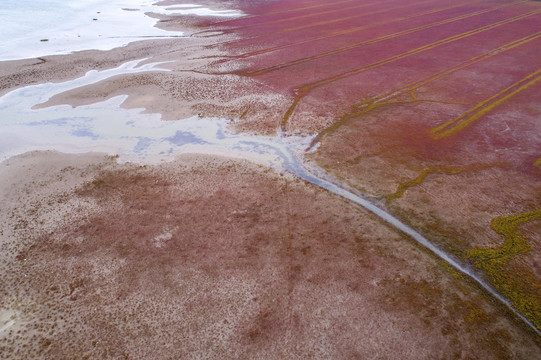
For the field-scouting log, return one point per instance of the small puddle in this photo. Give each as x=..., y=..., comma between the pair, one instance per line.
x=106, y=127
x=6, y=320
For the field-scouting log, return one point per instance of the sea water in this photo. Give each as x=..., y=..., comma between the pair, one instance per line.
x=34, y=28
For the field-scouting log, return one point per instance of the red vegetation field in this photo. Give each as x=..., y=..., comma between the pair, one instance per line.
x=433, y=106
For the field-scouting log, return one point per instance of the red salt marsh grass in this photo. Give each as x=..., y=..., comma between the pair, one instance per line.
x=342, y=60
x=319, y=42
x=435, y=101
x=217, y=258
x=328, y=55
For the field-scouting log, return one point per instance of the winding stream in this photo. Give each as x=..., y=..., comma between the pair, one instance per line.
x=144, y=138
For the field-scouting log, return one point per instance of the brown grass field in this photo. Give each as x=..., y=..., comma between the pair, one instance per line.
x=222, y=259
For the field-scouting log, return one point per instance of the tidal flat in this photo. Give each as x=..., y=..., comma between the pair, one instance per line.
x=173, y=197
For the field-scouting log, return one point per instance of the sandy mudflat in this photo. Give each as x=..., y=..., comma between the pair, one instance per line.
x=195, y=84
x=211, y=257
x=219, y=258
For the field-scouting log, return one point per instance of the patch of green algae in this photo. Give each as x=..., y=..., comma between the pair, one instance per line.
x=516, y=283
x=433, y=170
x=514, y=243
x=419, y=179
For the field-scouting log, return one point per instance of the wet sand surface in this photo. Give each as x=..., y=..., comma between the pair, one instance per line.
x=220, y=258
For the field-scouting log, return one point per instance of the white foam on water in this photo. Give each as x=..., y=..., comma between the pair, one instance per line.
x=198, y=10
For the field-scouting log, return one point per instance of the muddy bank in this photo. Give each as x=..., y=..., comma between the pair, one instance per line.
x=192, y=86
